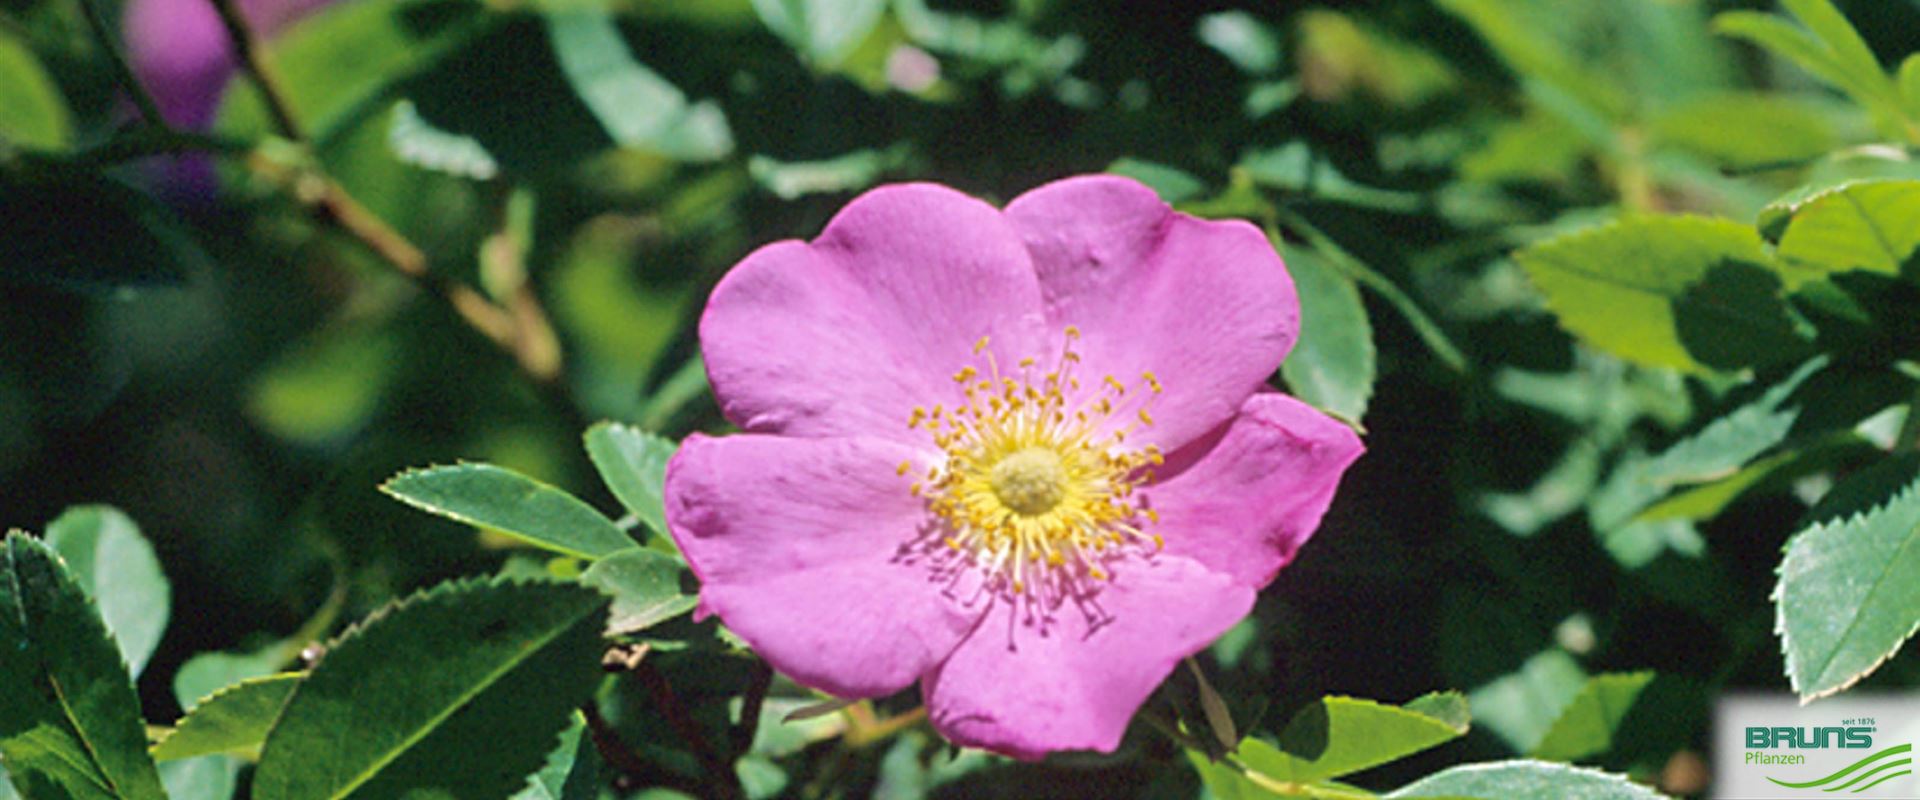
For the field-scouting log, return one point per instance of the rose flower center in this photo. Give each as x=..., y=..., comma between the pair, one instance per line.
x=1031, y=481
x=1036, y=493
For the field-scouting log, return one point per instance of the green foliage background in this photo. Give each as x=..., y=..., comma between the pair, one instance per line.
x=1621, y=292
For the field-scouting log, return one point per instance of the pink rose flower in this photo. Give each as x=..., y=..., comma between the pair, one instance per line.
x=180, y=51
x=1025, y=458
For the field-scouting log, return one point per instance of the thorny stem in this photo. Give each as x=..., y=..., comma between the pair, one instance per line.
x=622, y=757
x=103, y=33
x=721, y=780
x=247, y=53
x=756, y=697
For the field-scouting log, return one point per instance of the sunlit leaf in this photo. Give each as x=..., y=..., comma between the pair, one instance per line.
x=117, y=568
x=1849, y=593
x=458, y=691
x=1525, y=780
x=514, y=504
x=1332, y=364
x=1587, y=724
x=69, y=721
x=1341, y=735
x=633, y=463
x=1615, y=285
x=645, y=586
x=1520, y=707
x=823, y=31
x=1243, y=39
x=32, y=111
x=1868, y=225
x=233, y=720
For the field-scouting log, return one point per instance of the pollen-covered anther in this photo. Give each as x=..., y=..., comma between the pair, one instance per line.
x=1037, y=488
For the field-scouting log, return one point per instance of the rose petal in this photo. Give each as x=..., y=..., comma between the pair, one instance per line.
x=846, y=335
x=1207, y=306
x=1068, y=690
x=794, y=542
x=1242, y=503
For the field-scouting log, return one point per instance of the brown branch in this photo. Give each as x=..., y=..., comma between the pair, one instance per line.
x=755, y=699
x=632, y=768
x=246, y=52
x=122, y=70
x=721, y=782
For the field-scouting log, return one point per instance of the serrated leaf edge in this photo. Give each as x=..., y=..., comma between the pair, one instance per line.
x=1511, y=763
x=386, y=488
x=1909, y=494
x=244, y=683
x=440, y=591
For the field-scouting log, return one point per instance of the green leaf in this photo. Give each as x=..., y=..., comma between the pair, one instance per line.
x=32, y=111
x=117, y=569
x=1342, y=735
x=822, y=31
x=572, y=771
x=347, y=62
x=416, y=141
x=79, y=230
x=1614, y=286
x=1796, y=128
x=458, y=691
x=1332, y=365
x=635, y=106
x=1294, y=167
x=1849, y=593
x=209, y=777
x=1173, y=184
x=645, y=586
x=849, y=172
x=1733, y=438
x=233, y=720
x=1525, y=780
x=1536, y=55
x=1910, y=84
x=1586, y=726
x=1828, y=47
x=1521, y=706
x=1243, y=39
x=69, y=721
x=633, y=463
x=1867, y=225
x=513, y=504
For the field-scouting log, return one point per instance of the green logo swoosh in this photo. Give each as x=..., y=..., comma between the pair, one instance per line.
x=1889, y=752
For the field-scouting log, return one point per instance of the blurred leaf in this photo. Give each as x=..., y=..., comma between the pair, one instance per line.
x=69, y=721
x=117, y=569
x=233, y=720
x=416, y=141
x=343, y=64
x=645, y=586
x=1910, y=83
x=1849, y=594
x=1244, y=39
x=457, y=691
x=1532, y=53
x=849, y=172
x=822, y=31
x=33, y=113
x=782, y=732
x=1174, y=185
x=1525, y=780
x=1614, y=286
x=210, y=777
x=80, y=230
x=1296, y=168
x=634, y=105
x=760, y=776
x=1828, y=47
x=1794, y=128
x=1521, y=706
x=514, y=504
x=1341, y=735
x=572, y=771
x=1558, y=492
x=1733, y=438
x=1707, y=500
x=328, y=386
x=633, y=463
x=1534, y=147
x=1586, y=727
x=1868, y=225
x=207, y=673
x=1341, y=56
x=1332, y=364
